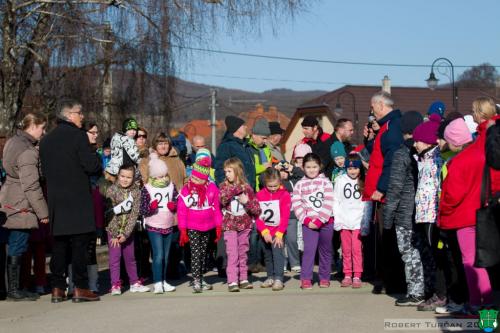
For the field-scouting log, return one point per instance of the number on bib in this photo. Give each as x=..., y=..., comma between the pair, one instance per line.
x=348, y=192
x=316, y=200
x=237, y=208
x=270, y=212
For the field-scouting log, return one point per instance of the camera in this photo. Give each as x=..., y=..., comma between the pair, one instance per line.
x=283, y=165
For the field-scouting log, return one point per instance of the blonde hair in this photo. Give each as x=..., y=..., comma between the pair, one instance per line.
x=239, y=175
x=483, y=108
x=33, y=118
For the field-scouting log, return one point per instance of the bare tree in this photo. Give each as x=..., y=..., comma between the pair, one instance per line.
x=47, y=44
x=482, y=76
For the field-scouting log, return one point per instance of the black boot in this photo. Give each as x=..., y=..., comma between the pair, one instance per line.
x=13, y=272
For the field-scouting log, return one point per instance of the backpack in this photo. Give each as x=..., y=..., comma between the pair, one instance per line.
x=492, y=146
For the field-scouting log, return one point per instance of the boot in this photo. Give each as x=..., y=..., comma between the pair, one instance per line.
x=84, y=295
x=69, y=281
x=93, y=273
x=13, y=272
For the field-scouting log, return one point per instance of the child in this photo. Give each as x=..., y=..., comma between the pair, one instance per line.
x=348, y=211
x=125, y=196
x=275, y=203
x=312, y=202
x=338, y=154
x=124, y=150
x=239, y=207
x=399, y=211
x=158, y=205
x=198, y=213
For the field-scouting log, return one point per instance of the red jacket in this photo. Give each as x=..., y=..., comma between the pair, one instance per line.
x=376, y=165
x=268, y=221
x=461, y=189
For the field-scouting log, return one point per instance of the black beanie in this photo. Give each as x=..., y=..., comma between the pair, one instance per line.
x=410, y=120
x=275, y=128
x=233, y=123
x=310, y=121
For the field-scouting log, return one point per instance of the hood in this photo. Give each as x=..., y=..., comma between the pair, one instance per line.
x=28, y=137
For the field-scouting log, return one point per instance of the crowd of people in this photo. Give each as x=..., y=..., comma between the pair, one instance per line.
x=410, y=192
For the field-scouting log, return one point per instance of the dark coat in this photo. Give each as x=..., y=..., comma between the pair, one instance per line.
x=67, y=161
x=232, y=146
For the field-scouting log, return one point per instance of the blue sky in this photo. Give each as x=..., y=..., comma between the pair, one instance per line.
x=385, y=31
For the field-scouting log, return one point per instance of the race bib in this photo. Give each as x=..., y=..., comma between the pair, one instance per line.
x=270, y=212
x=315, y=201
x=125, y=206
x=237, y=208
x=191, y=202
x=163, y=196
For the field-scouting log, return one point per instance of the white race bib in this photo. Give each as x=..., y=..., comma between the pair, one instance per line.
x=125, y=206
x=237, y=208
x=315, y=201
x=162, y=195
x=270, y=212
x=191, y=202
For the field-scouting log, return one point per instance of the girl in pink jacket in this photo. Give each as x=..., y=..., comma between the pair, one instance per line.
x=275, y=204
x=198, y=212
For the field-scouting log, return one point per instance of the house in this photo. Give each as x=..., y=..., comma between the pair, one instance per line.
x=271, y=114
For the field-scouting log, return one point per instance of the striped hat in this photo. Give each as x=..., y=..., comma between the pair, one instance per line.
x=202, y=153
x=201, y=168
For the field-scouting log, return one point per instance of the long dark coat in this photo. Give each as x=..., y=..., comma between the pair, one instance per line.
x=67, y=161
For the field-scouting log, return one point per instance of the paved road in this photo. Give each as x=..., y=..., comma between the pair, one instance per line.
x=260, y=310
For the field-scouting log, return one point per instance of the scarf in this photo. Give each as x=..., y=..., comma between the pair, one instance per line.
x=158, y=183
x=200, y=189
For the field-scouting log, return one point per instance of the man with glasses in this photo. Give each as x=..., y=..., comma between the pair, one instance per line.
x=67, y=161
x=198, y=142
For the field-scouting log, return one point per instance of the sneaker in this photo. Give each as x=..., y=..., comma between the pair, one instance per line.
x=296, y=269
x=138, y=288
x=40, y=290
x=197, y=287
x=306, y=284
x=206, y=286
x=410, y=301
x=467, y=311
x=233, y=287
x=267, y=284
x=346, y=282
x=168, y=287
x=378, y=289
x=432, y=303
x=158, y=288
x=245, y=284
x=449, y=308
x=278, y=285
x=357, y=283
x=324, y=284
x=116, y=290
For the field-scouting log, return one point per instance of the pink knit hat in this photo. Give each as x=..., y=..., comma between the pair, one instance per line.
x=301, y=150
x=157, y=167
x=201, y=168
x=457, y=133
x=427, y=131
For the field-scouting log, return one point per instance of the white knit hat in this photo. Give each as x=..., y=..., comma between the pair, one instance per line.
x=157, y=167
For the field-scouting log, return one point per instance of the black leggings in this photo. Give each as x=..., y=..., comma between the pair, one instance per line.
x=199, y=247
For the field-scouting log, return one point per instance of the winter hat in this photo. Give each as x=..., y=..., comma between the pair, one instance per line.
x=129, y=124
x=457, y=133
x=438, y=108
x=310, y=121
x=471, y=124
x=301, y=150
x=427, y=131
x=353, y=163
x=337, y=150
x=261, y=127
x=410, y=120
x=275, y=128
x=157, y=167
x=449, y=118
x=202, y=153
x=201, y=168
x=233, y=123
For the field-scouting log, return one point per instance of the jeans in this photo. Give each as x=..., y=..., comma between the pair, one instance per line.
x=160, y=246
x=18, y=242
x=275, y=261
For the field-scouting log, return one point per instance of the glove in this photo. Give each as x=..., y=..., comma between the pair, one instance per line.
x=184, y=238
x=218, y=234
x=153, y=205
x=172, y=206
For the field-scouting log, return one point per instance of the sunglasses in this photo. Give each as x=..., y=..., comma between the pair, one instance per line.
x=142, y=136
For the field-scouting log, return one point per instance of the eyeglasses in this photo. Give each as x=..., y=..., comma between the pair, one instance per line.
x=93, y=132
x=142, y=136
x=78, y=112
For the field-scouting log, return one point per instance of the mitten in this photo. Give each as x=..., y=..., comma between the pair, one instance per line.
x=153, y=205
x=184, y=238
x=172, y=206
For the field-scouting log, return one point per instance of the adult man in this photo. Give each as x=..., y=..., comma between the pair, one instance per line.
x=274, y=140
x=261, y=153
x=319, y=141
x=198, y=142
x=234, y=144
x=67, y=162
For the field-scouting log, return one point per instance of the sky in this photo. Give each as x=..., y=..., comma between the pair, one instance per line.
x=384, y=31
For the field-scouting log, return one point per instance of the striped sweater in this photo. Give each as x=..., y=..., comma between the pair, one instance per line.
x=312, y=200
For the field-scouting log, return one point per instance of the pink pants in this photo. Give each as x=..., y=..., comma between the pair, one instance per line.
x=478, y=280
x=237, y=246
x=351, y=252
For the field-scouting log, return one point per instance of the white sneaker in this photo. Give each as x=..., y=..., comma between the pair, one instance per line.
x=116, y=290
x=296, y=269
x=449, y=308
x=138, y=288
x=158, y=288
x=168, y=287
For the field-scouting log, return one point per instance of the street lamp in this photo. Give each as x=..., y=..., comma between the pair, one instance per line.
x=432, y=81
x=339, y=110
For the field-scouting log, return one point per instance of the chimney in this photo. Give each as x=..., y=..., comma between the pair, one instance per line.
x=386, y=84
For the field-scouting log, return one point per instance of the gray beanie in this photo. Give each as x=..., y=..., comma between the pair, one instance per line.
x=261, y=127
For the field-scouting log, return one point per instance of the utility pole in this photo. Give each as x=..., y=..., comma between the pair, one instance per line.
x=213, y=121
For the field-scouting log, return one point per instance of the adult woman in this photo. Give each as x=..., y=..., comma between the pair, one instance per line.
x=460, y=199
x=141, y=140
x=22, y=197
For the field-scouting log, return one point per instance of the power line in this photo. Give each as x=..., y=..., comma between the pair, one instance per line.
x=338, y=62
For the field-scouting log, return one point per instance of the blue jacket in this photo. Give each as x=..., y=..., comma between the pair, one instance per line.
x=391, y=140
x=232, y=146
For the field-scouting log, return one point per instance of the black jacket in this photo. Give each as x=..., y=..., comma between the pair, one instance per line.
x=67, y=161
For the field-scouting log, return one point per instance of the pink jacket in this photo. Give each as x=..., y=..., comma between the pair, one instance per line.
x=276, y=209
x=204, y=218
x=312, y=200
